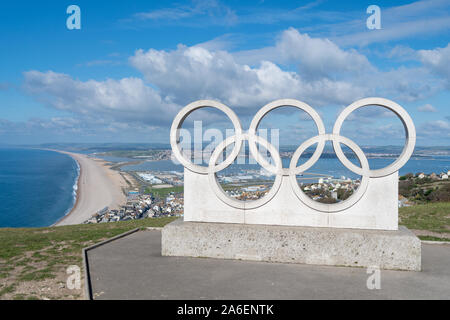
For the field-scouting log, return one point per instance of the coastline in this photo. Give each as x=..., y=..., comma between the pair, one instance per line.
x=98, y=186
x=77, y=192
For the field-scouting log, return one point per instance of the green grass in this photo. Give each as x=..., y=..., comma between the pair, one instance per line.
x=37, y=254
x=431, y=238
x=6, y=289
x=38, y=275
x=51, y=241
x=434, y=217
x=21, y=296
x=163, y=192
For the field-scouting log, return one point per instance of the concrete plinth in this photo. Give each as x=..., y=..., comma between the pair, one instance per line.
x=399, y=250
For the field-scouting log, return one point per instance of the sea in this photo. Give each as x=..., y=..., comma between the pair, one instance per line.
x=324, y=166
x=38, y=187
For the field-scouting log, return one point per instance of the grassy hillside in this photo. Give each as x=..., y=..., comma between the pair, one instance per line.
x=33, y=261
x=429, y=221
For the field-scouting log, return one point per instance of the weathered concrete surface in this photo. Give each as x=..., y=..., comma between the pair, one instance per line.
x=377, y=208
x=133, y=268
x=397, y=250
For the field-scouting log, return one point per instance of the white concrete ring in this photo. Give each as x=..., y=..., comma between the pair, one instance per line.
x=175, y=135
x=237, y=203
x=335, y=207
x=274, y=105
x=410, y=133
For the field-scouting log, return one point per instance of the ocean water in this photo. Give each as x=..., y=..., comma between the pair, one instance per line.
x=327, y=166
x=37, y=187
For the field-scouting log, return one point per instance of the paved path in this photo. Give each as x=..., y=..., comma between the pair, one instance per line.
x=133, y=268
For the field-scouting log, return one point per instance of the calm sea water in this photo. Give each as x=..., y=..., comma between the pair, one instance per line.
x=37, y=187
x=328, y=166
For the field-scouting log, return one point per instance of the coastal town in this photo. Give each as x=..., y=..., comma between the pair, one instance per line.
x=160, y=193
x=423, y=188
x=141, y=206
x=331, y=190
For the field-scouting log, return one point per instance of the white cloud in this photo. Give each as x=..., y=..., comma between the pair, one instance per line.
x=298, y=66
x=438, y=129
x=405, y=84
x=319, y=59
x=314, y=57
x=416, y=19
x=33, y=125
x=401, y=52
x=395, y=30
x=215, y=11
x=78, y=128
x=190, y=73
x=434, y=62
x=427, y=108
x=101, y=62
x=124, y=99
x=438, y=60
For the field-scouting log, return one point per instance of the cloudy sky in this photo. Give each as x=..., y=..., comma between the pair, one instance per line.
x=133, y=64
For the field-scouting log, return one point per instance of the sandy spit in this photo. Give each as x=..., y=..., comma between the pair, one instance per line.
x=98, y=187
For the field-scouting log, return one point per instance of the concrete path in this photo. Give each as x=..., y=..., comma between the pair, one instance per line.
x=133, y=268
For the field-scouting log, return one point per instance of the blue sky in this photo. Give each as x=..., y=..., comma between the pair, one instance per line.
x=133, y=64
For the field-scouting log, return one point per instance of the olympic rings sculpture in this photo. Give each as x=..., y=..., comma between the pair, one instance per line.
x=253, y=139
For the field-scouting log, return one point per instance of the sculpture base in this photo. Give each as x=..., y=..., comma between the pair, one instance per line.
x=398, y=250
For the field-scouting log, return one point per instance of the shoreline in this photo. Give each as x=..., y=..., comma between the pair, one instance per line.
x=98, y=187
x=77, y=193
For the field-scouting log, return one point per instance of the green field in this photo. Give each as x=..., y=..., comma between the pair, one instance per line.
x=163, y=192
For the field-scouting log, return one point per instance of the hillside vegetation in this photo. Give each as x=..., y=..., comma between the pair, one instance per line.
x=429, y=221
x=33, y=261
x=424, y=190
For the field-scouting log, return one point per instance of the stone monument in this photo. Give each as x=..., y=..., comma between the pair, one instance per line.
x=286, y=225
